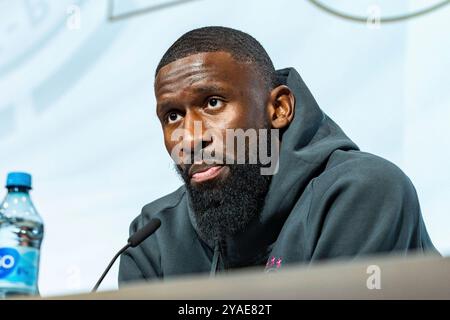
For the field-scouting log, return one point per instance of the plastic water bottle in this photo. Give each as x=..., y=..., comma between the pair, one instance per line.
x=21, y=234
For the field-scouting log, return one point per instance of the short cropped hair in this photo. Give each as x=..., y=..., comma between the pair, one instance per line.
x=242, y=47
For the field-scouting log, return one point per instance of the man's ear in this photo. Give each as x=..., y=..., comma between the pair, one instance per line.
x=281, y=107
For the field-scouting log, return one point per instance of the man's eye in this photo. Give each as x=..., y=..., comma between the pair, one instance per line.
x=173, y=117
x=215, y=103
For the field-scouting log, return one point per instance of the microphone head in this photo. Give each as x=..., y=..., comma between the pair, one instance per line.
x=144, y=232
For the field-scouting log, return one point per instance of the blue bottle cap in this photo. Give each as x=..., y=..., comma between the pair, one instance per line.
x=18, y=179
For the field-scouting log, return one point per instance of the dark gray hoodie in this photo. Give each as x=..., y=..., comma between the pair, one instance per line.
x=328, y=200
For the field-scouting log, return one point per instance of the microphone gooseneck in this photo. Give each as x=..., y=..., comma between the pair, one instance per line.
x=133, y=241
x=109, y=266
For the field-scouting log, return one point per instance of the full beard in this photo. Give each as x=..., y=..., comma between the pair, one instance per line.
x=226, y=207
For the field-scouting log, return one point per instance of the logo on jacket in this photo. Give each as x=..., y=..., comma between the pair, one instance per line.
x=273, y=264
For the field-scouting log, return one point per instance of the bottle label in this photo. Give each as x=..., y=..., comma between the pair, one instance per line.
x=19, y=267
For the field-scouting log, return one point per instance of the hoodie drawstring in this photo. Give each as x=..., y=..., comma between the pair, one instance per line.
x=215, y=261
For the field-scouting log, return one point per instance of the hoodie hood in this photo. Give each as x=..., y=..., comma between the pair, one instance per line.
x=305, y=148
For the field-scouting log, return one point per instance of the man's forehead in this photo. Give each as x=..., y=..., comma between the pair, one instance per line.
x=201, y=67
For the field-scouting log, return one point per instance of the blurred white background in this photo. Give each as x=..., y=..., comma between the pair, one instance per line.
x=77, y=108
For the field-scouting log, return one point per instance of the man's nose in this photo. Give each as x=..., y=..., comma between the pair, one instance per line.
x=194, y=137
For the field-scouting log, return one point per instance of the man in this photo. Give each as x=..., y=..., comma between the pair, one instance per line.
x=325, y=198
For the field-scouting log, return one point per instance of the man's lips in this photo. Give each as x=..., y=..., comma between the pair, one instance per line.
x=200, y=173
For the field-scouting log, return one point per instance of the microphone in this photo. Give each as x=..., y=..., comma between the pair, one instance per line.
x=133, y=241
